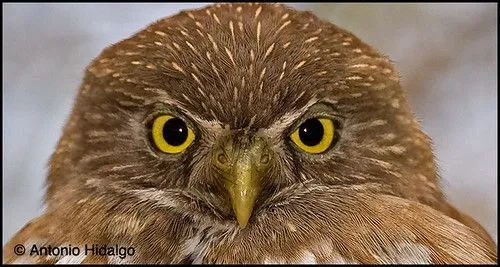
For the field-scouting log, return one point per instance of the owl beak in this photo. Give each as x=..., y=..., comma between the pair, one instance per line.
x=243, y=190
x=243, y=171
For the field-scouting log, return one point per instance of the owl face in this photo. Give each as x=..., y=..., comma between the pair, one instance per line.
x=216, y=112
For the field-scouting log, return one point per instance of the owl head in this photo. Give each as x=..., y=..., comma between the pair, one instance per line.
x=219, y=113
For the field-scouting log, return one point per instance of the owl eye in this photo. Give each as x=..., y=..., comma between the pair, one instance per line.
x=171, y=134
x=314, y=135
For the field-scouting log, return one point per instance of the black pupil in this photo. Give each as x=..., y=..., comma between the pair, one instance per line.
x=311, y=132
x=175, y=132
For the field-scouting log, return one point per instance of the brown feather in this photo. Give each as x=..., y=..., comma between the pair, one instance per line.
x=232, y=72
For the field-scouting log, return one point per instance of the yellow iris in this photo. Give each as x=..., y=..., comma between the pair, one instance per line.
x=171, y=134
x=314, y=135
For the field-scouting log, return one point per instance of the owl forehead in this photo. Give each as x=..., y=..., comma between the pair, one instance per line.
x=239, y=64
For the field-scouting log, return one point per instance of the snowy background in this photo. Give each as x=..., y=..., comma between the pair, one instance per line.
x=446, y=53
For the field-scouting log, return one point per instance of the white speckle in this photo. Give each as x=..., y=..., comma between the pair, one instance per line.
x=177, y=67
x=192, y=47
x=359, y=66
x=386, y=71
x=257, y=12
x=196, y=79
x=115, y=259
x=191, y=243
x=395, y=103
x=176, y=46
x=201, y=91
x=156, y=197
x=132, y=53
x=213, y=42
x=231, y=27
x=72, y=259
x=269, y=50
x=216, y=18
x=299, y=65
x=397, y=149
x=215, y=70
x=262, y=74
x=405, y=253
x=379, y=86
x=388, y=136
x=200, y=33
x=354, y=78
x=291, y=227
x=281, y=76
x=92, y=182
x=230, y=55
x=378, y=122
x=160, y=33
x=283, y=26
x=25, y=260
x=308, y=258
x=311, y=39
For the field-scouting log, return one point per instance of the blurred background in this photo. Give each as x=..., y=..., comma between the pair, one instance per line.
x=446, y=53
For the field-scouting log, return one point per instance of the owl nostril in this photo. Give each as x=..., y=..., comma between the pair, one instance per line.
x=222, y=159
x=264, y=159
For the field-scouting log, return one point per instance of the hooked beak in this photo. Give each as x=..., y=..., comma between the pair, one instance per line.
x=243, y=169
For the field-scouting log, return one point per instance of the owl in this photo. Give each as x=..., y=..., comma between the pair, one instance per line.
x=245, y=133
